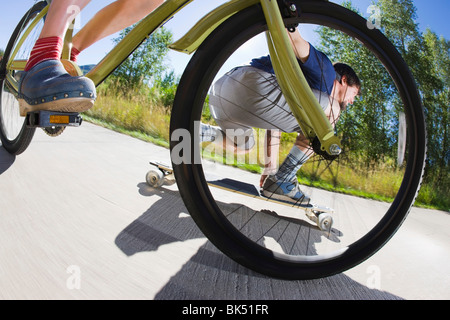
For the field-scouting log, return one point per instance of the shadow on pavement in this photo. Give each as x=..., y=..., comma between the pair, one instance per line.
x=210, y=275
x=6, y=160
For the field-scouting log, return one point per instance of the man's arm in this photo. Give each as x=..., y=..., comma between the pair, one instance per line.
x=272, y=147
x=300, y=45
x=316, y=66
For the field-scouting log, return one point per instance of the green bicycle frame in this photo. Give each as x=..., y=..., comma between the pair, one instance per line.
x=304, y=105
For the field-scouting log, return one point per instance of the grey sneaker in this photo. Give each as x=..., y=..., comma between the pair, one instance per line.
x=209, y=133
x=286, y=191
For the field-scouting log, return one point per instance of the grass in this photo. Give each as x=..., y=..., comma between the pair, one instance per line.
x=378, y=184
x=134, y=113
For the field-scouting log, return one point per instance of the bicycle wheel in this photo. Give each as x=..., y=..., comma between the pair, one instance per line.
x=281, y=241
x=14, y=134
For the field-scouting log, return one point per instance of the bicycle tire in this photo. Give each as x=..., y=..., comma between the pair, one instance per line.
x=207, y=211
x=14, y=133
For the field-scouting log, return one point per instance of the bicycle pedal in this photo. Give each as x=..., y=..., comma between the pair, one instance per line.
x=46, y=119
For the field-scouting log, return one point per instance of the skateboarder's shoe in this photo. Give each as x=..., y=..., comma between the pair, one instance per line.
x=239, y=140
x=209, y=133
x=285, y=191
x=47, y=86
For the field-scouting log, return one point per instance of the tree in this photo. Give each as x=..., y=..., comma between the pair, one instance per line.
x=146, y=63
x=427, y=55
x=398, y=24
x=428, y=58
x=437, y=102
x=366, y=126
x=165, y=88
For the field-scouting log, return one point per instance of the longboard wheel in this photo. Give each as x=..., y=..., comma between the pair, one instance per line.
x=325, y=222
x=155, y=178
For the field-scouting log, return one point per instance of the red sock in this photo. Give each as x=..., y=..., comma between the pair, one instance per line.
x=45, y=49
x=74, y=54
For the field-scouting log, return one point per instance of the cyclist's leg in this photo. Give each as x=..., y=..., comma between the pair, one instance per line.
x=49, y=44
x=46, y=85
x=59, y=17
x=111, y=19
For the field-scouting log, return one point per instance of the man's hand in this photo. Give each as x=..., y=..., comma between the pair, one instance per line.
x=263, y=178
x=272, y=145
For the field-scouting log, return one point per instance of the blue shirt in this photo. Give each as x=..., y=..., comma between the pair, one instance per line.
x=318, y=69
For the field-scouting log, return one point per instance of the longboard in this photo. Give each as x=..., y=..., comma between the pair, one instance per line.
x=320, y=215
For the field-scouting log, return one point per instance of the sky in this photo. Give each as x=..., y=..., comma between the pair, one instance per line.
x=431, y=13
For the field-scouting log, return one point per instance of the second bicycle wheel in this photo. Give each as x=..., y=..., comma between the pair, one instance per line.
x=371, y=185
x=14, y=133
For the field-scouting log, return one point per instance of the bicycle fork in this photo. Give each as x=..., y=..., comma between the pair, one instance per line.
x=302, y=102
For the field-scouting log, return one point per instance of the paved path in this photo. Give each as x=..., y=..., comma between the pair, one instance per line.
x=79, y=222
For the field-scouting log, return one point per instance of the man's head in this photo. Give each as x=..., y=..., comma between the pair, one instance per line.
x=347, y=85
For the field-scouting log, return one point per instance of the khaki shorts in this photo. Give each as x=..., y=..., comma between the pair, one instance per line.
x=246, y=98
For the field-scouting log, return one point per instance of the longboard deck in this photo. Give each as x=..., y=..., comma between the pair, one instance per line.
x=246, y=189
x=162, y=166
x=319, y=214
x=253, y=191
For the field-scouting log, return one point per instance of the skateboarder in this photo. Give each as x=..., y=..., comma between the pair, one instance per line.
x=249, y=96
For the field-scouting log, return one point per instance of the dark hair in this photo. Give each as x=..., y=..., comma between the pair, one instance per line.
x=343, y=69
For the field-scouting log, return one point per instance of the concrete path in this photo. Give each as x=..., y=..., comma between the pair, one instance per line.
x=79, y=222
